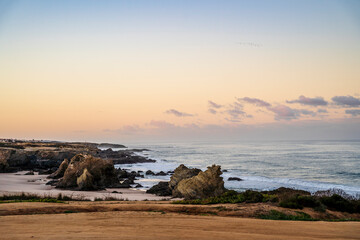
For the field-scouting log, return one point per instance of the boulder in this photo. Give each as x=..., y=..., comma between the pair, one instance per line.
x=30, y=173
x=149, y=172
x=161, y=173
x=102, y=172
x=85, y=181
x=234, y=179
x=160, y=189
x=205, y=184
x=182, y=172
x=61, y=170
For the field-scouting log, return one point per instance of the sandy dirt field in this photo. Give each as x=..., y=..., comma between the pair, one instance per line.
x=156, y=225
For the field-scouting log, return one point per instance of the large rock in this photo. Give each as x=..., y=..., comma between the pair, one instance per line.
x=182, y=172
x=4, y=155
x=59, y=173
x=102, y=172
x=160, y=189
x=86, y=181
x=205, y=184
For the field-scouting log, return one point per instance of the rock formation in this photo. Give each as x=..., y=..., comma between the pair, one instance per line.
x=180, y=173
x=160, y=189
x=85, y=172
x=59, y=173
x=205, y=184
x=26, y=155
x=191, y=183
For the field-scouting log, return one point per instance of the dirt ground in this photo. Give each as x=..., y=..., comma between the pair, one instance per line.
x=156, y=220
x=156, y=225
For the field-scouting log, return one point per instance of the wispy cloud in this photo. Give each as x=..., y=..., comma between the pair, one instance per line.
x=161, y=124
x=353, y=112
x=283, y=112
x=256, y=101
x=317, y=101
x=235, y=112
x=178, y=113
x=212, y=111
x=214, y=105
x=346, y=101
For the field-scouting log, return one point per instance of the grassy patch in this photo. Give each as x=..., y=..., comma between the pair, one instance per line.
x=29, y=197
x=232, y=197
x=49, y=200
x=276, y=215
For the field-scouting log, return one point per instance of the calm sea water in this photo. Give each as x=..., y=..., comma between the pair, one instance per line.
x=307, y=165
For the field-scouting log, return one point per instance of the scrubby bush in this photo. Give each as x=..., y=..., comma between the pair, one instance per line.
x=338, y=203
x=299, y=202
x=276, y=215
x=232, y=197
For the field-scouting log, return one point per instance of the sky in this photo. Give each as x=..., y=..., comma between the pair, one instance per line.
x=122, y=71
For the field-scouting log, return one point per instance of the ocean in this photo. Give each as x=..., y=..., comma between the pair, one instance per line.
x=306, y=165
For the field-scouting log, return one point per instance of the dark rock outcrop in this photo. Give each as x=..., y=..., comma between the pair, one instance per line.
x=30, y=173
x=160, y=189
x=85, y=172
x=23, y=155
x=161, y=173
x=205, y=184
x=149, y=172
x=59, y=173
x=234, y=179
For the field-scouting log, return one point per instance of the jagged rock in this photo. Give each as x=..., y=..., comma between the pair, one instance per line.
x=4, y=155
x=85, y=181
x=149, y=172
x=234, y=179
x=102, y=171
x=30, y=173
x=138, y=185
x=61, y=170
x=182, y=172
x=205, y=184
x=52, y=182
x=46, y=171
x=160, y=189
x=125, y=184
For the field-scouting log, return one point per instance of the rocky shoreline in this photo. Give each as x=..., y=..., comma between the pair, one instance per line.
x=46, y=157
x=89, y=167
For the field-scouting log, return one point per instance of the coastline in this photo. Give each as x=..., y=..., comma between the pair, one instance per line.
x=15, y=183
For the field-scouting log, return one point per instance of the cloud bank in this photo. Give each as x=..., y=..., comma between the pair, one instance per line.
x=346, y=101
x=317, y=101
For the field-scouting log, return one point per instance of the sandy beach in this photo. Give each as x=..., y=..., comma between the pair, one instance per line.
x=14, y=183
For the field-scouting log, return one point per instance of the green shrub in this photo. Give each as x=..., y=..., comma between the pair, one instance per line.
x=232, y=197
x=338, y=203
x=276, y=215
x=300, y=201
